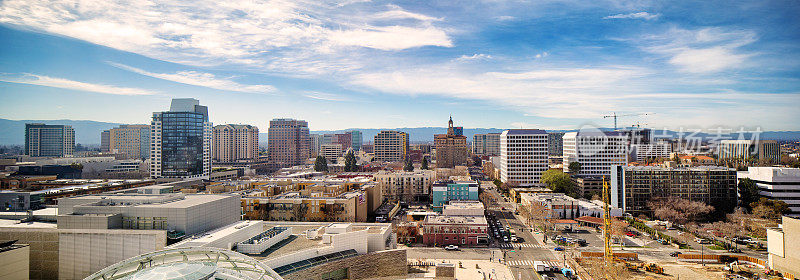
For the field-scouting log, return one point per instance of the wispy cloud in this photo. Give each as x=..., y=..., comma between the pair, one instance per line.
x=705, y=50
x=202, y=79
x=325, y=96
x=638, y=15
x=40, y=80
x=477, y=56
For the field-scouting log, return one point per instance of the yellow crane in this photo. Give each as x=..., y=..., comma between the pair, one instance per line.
x=608, y=255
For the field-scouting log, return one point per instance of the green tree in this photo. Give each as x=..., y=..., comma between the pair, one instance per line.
x=350, y=162
x=574, y=167
x=748, y=192
x=558, y=181
x=408, y=166
x=769, y=208
x=321, y=164
x=424, y=163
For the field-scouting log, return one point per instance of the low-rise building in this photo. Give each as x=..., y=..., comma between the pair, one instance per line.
x=406, y=186
x=295, y=206
x=444, y=191
x=561, y=206
x=455, y=230
x=463, y=208
x=783, y=248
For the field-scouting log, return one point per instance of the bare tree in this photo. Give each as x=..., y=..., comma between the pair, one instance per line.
x=679, y=210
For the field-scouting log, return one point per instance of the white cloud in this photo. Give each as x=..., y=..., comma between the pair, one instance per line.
x=639, y=15
x=505, y=18
x=325, y=96
x=477, y=56
x=40, y=80
x=202, y=79
x=704, y=50
x=392, y=38
x=540, y=55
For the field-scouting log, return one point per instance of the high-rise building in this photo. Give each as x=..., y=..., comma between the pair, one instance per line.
x=105, y=141
x=133, y=141
x=356, y=140
x=451, y=148
x=486, y=144
x=391, y=146
x=42, y=140
x=181, y=141
x=316, y=144
x=289, y=142
x=523, y=156
x=632, y=187
x=344, y=139
x=234, y=142
x=555, y=144
x=596, y=151
x=760, y=150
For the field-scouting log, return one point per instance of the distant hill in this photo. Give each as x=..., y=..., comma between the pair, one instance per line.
x=12, y=132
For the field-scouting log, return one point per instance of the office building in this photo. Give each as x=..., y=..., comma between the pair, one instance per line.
x=105, y=141
x=523, y=156
x=783, y=248
x=451, y=148
x=596, y=151
x=756, y=150
x=132, y=141
x=316, y=144
x=632, y=187
x=555, y=144
x=653, y=150
x=406, y=186
x=390, y=146
x=289, y=142
x=235, y=142
x=779, y=183
x=356, y=139
x=445, y=191
x=181, y=141
x=42, y=140
x=331, y=152
x=344, y=139
x=486, y=144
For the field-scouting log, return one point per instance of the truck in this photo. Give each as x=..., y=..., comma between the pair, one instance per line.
x=512, y=235
x=540, y=266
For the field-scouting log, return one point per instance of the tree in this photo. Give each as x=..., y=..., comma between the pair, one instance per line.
x=559, y=181
x=408, y=166
x=424, y=163
x=769, y=208
x=574, y=167
x=350, y=162
x=679, y=210
x=321, y=164
x=748, y=192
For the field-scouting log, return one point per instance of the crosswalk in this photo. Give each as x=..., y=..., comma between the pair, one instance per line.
x=530, y=263
x=524, y=245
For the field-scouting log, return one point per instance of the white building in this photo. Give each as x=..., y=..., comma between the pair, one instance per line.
x=523, y=156
x=561, y=206
x=642, y=152
x=596, y=151
x=761, y=150
x=463, y=208
x=778, y=183
x=181, y=141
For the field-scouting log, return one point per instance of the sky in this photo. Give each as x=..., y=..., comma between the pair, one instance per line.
x=386, y=64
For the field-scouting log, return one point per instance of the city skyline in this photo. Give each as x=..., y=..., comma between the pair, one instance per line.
x=549, y=65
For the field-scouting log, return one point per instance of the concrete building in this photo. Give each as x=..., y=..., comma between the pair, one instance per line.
x=181, y=141
x=653, y=150
x=14, y=261
x=234, y=142
x=596, y=151
x=42, y=140
x=391, y=146
x=132, y=141
x=777, y=183
x=633, y=186
x=589, y=186
x=523, y=156
x=444, y=191
x=463, y=208
x=289, y=143
x=561, y=206
x=316, y=144
x=307, y=207
x=455, y=230
x=406, y=186
x=783, y=248
x=331, y=152
x=486, y=144
x=451, y=148
x=555, y=144
x=105, y=141
x=760, y=150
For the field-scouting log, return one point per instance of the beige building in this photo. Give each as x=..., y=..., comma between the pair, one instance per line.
x=331, y=152
x=391, y=146
x=15, y=261
x=310, y=207
x=133, y=140
x=234, y=142
x=289, y=142
x=406, y=186
x=783, y=248
x=451, y=148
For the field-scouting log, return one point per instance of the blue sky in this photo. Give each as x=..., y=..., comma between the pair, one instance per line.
x=376, y=64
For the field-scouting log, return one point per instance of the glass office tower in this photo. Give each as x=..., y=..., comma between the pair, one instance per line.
x=181, y=141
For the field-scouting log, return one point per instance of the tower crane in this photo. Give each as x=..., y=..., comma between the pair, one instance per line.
x=615, y=116
x=608, y=255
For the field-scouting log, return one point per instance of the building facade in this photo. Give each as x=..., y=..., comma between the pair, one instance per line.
x=653, y=150
x=289, y=142
x=523, y=156
x=757, y=150
x=455, y=230
x=390, y=146
x=596, y=151
x=181, y=141
x=632, y=187
x=105, y=141
x=777, y=183
x=406, y=186
x=783, y=248
x=555, y=144
x=451, y=148
x=43, y=140
x=331, y=152
x=445, y=191
x=133, y=141
x=486, y=144
x=233, y=142
x=356, y=139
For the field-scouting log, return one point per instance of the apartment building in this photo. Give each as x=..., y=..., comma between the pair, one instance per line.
x=181, y=141
x=523, y=156
x=596, y=151
x=406, y=186
x=486, y=144
x=308, y=207
x=43, y=140
x=289, y=142
x=234, y=142
x=451, y=148
x=391, y=145
x=132, y=141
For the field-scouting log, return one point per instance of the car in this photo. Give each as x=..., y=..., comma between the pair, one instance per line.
x=520, y=239
x=662, y=241
x=734, y=250
x=559, y=249
x=674, y=254
x=514, y=239
x=505, y=238
x=451, y=248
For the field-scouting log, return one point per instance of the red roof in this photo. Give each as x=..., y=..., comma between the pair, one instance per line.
x=590, y=219
x=563, y=221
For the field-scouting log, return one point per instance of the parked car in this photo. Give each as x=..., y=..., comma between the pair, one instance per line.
x=451, y=248
x=559, y=249
x=674, y=254
x=734, y=250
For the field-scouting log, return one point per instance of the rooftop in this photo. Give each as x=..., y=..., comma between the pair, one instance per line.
x=455, y=219
x=524, y=131
x=695, y=168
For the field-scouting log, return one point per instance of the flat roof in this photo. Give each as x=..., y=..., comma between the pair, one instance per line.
x=17, y=224
x=456, y=219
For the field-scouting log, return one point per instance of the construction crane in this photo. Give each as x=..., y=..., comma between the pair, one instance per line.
x=608, y=255
x=615, y=116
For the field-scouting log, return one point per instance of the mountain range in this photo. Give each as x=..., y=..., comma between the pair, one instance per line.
x=12, y=132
